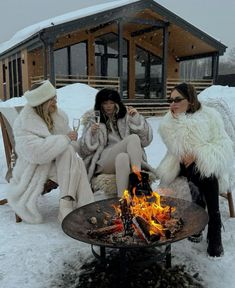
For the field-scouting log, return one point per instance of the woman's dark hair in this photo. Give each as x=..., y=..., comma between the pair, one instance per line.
x=189, y=92
x=109, y=94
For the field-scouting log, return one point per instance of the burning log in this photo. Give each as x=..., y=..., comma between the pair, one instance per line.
x=172, y=226
x=126, y=217
x=104, y=231
x=144, y=229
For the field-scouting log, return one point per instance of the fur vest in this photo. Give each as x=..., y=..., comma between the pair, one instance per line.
x=36, y=148
x=201, y=134
x=91, y=146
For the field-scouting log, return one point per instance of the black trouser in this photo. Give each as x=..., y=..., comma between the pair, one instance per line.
x=207, y=188
x=207, y=194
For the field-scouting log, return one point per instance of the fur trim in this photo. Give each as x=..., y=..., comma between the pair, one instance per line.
x=36, y=147
x=91, y=146
x=107, y=183
x=201, y=134
x=41, y=94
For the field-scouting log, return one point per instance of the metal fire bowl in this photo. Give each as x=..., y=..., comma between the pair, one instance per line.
x=76, y=224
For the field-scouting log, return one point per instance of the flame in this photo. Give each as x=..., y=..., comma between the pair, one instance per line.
x=136, y=170
x=148, y=207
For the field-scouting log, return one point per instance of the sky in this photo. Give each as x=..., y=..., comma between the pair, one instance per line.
x=212, y=17
x=41, y=255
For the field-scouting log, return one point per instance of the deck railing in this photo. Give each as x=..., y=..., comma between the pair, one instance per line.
x=199, y=84
x=114, y=82
x=93, y=81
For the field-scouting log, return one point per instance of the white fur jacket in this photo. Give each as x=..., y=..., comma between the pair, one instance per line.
x=201, y=134
x=36, y=148
x=90, y=147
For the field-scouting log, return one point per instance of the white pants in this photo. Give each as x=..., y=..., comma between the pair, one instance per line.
x=70, y=173
x=120, y=160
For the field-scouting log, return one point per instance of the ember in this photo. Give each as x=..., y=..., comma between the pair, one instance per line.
x=142, y=217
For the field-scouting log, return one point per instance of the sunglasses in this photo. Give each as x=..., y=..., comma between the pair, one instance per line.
x=175, y=100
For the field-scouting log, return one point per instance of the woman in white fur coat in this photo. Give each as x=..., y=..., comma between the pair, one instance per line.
x=116, y=144
x=45, y=148
x=198, y=148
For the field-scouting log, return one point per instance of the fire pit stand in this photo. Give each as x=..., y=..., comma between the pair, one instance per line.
x=77, y=224
x=157, y=256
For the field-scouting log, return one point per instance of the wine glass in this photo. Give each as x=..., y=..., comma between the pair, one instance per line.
x=97, y=116
x=76, y=124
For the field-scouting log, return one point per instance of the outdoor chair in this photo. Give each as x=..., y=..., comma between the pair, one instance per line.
x=7, y=117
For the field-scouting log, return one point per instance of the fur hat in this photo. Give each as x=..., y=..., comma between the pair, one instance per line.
x=41, y=94
x=106, y=94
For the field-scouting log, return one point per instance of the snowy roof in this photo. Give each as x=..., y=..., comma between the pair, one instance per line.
x=29, y=31
x=32, y=31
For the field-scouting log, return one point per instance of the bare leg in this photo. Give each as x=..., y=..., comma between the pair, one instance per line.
x=122, y=165
x=130, y=145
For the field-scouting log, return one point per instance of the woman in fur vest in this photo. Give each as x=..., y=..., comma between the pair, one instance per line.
x=198, y=148
x=45, y=148
x=116, y=144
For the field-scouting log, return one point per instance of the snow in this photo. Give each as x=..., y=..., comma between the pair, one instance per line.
x=31, y=30
x=39, y=255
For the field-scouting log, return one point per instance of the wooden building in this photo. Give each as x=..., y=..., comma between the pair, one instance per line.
x=134, y=46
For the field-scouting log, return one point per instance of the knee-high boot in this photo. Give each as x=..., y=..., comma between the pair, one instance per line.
x=210, y=189
x=215, y=247
x=208, y=196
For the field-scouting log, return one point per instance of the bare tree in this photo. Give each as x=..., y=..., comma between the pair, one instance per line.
x=227, y=65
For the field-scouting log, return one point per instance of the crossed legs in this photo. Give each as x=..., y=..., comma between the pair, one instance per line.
x=120, y=160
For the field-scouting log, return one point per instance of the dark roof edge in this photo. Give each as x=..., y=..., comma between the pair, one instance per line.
x=172, y=17
x=137, y=6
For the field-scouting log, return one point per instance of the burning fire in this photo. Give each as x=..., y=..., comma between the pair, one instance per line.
x=148, y=208
x=140, y=213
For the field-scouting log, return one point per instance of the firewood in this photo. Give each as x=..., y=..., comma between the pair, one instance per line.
x=143, y=227
x=104, y=231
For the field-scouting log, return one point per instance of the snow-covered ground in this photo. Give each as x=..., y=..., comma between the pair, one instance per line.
x=40, y=255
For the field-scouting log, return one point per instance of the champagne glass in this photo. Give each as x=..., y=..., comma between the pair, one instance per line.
x=76, y=124
x=97, y=116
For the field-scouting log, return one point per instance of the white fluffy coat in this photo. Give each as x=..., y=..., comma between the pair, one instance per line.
x=201, y=134
x=36, y=148
x=91, y=146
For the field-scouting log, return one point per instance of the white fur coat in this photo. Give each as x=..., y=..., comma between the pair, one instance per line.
x=91, y=147
x=36, y=148
x=201, y=134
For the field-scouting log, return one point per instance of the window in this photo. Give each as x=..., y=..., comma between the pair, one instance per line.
x=79, y=59
x=61, y=61
x=71, y=60
x=106, y=57
x=148, y=73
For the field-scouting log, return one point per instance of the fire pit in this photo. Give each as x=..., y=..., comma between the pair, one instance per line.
x=79, y=225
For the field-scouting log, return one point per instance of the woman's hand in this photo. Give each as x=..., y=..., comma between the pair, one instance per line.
x=94, y=128
x=187, y=160
x=131, y=110
x=73, y=135
x=174, y=115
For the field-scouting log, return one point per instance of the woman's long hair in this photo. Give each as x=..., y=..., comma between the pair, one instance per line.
x=189, y=92
x=105, y=95
x=42, y=109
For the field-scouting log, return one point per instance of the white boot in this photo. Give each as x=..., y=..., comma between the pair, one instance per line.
x=66, y=206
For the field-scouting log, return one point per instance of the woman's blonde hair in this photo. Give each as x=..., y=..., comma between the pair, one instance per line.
x=42, y=109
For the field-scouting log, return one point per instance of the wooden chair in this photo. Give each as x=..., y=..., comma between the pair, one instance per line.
x=9, y=146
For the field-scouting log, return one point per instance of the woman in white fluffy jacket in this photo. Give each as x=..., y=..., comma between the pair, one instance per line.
x=198, y=148
x=116, y=144
x=45, y=148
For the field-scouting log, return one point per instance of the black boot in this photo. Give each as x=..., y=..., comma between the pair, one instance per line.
x=215, y=247
x=139, y=187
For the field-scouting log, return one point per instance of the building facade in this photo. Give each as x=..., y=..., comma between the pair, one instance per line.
x=136, y=47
